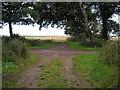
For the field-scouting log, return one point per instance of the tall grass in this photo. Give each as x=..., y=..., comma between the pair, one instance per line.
x=110, y=55
x=100, y=74
x=110, y=52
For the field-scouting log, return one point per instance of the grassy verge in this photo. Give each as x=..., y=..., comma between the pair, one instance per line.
x=51, y=76
x=77, y=46
x=11, y=71
x=99, y=73
x=44, y=45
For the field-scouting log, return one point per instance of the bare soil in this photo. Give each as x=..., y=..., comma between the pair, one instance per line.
x=28, y=78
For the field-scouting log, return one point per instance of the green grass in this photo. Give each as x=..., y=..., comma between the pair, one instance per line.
x=51, y=76
x=99, y=73
x=11, y=71
x=77, y=46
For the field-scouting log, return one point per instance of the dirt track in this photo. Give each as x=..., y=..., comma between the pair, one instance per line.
x=60, y=50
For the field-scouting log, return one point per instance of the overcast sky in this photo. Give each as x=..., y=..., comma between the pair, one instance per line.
x=34, y=31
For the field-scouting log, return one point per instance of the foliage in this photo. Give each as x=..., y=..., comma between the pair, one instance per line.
x=98, y=73
x=110, y=52
x=70, y=15
x=78, y=46
x=18, y=13
x=96, y=42
x=7, y=39
x=112, y=26
x=33, y=42
x=14, y=50
x=79, y=17
x=43, y=45
x=106, y=11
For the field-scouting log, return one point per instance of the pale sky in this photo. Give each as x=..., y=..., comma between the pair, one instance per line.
x=34, y=31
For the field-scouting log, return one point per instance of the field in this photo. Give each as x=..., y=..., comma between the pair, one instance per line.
x=56, y=38
x=114, y=38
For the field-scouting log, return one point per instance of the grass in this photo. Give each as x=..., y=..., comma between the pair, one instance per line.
x=98, y=72
x=77, y=46
x=51, y=76
x=44, y=45
x=11, y=71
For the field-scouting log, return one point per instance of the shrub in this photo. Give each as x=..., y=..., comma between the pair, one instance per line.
x=94, y=43
x=32, y=42
x=21, y=38
x=46, y=41
x=69, y=39
x=14, y=50
x=6, y=39
x=110, y=51
x=110, y=55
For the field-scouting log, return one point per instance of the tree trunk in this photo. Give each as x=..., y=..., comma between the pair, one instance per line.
x=104, y=30
x=10, y=30
x=76, y=36
x=85, y=24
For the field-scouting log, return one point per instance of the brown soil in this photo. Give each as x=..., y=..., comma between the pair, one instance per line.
x=60, y=50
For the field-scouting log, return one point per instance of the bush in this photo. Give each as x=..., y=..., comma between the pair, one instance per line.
x=110, y=55
x=69, y=39
x=14, y=50
x=21, y=38
x=110, y=51
x=46, y=41
x=7, y=39
x=32, y=42
x=94, y=43
x=35, y=42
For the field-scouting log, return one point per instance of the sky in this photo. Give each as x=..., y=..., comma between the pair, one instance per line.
x=29, y=30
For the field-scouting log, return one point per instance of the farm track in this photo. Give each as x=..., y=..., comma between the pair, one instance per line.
x=28, y=78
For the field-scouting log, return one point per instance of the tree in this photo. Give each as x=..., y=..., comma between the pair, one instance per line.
x=61, y=14
x=18, y=13
x=112, y=26
x=106, y=11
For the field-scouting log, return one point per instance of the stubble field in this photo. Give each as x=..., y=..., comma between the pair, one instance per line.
x=56, y=38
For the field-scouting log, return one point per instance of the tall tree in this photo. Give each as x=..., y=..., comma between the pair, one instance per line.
x=17, y=13
x=112, y=26
x=106, y=11
x=61, y=13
